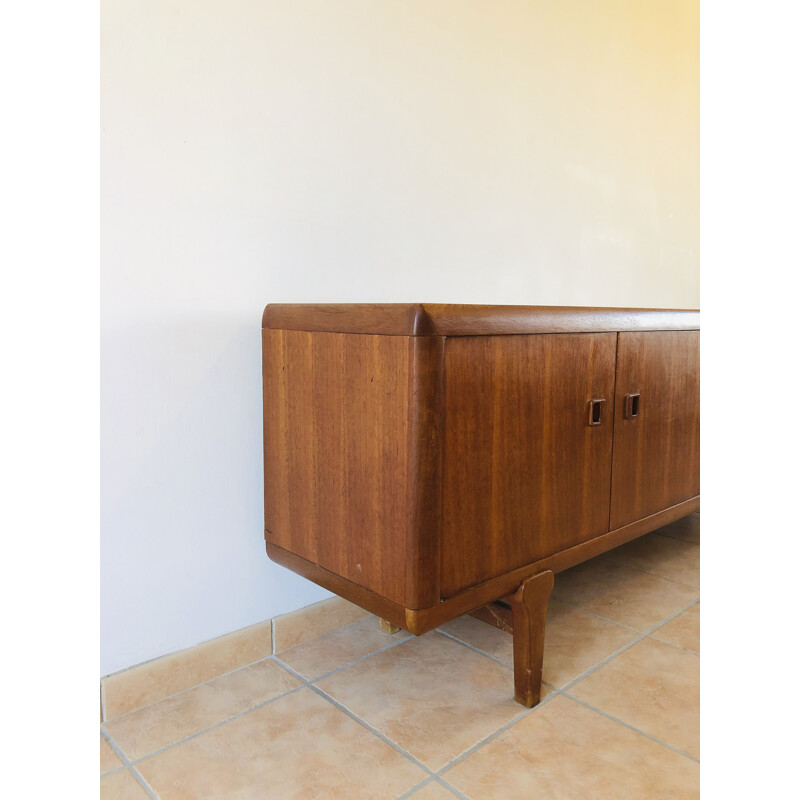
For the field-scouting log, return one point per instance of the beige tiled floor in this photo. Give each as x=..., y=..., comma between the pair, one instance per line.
x=358, y=713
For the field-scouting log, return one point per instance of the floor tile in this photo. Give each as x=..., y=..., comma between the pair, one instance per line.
x=687, y=529
x=564, y=750
x=155, y=726
x=108, y=758
x=313, y=621
x=659, y=555
x=627, y=596
x=683, y=631
x=299, y=746
x=653, y=687
x=155, y=680
x=433, y=791
x=574, y=641
x=122, y=786
x=484, y=636
x=339, y=647
x=430, y=695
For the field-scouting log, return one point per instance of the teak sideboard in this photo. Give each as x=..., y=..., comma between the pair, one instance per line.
x=423, y=461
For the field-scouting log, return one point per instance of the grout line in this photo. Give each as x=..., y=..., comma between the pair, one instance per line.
x=622, y=649
x=252, y=663
x=212, y=727
x=648, y=631
x=676, y=646
x=115, y=747
x=415, y=788
x=605, y=557
x=640, y=633
x=628, y=725
x=451, y=788
x=568, y=685
x=355, y=717
x=186, y=649
x=434, y=776
x=647, y=571
x=359, y=660
x=188, y=689
x=273, y=651
x=640, y=636
x=272, y=658
x=372, y=729
x=555, y=691
x=595, y=614
x=112, y=771
x=473, y=648
x=672, y=616
x=502, y=729
x=578, y=608
x=128, y=765
x=144, y=784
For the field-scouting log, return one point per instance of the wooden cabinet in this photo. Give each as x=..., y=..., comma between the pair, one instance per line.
x=657, y=429
x=425, y=460
x=524, y=473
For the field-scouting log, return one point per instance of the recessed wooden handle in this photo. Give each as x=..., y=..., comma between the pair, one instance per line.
x=596, y=411
x=631, y=406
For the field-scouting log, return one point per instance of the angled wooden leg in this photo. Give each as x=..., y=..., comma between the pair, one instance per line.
x=529, y=608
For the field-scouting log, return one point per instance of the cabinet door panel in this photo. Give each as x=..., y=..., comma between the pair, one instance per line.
x=656, y=452
x=525, y=475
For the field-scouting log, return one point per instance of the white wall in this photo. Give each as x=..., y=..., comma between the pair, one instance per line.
x=359, y=150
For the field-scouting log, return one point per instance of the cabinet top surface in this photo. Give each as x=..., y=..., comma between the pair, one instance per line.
x=433, y=319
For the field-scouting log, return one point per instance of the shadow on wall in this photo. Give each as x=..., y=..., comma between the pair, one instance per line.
x=182, y=489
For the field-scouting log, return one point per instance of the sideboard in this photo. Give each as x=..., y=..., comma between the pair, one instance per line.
x=423, y=461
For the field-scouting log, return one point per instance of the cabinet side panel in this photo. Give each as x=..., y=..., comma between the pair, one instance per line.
x=336, y=453
x=524, y=475
x=289, y=432
x=657, y=452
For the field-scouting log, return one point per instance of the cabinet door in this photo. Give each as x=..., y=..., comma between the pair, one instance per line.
x=657, y=437
x=524, y=473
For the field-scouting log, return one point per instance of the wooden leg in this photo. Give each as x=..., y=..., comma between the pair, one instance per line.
x=529, y=608
x=388, y=627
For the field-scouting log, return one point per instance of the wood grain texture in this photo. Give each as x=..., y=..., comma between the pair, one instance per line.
x=419, y=621
x=529, y=611
x=432, y=319
x=424, y=484
x=462, y=603
x=524, y=474
x=657, y=453
x=350, y=590
x=393, y=319
x=425, y=460
x=336, y=453
x=497, y=614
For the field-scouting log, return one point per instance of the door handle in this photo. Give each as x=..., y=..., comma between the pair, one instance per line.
x=631, y=406
x=596, y=411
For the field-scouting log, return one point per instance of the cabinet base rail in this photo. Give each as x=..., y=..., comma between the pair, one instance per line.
x=526, y=589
